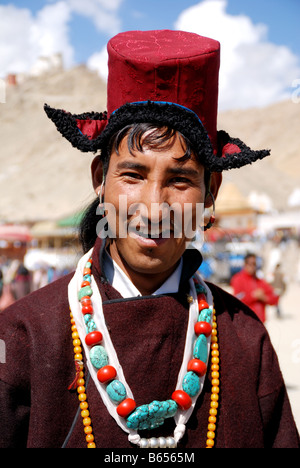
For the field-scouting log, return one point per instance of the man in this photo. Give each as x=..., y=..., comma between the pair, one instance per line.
x=253, y=291
x=161, y=358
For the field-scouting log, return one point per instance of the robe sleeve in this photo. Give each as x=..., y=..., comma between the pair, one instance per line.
x=272, y=298
x=14, y=384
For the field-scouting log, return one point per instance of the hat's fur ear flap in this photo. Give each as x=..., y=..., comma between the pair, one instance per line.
x=233, y=153
x=81, y=130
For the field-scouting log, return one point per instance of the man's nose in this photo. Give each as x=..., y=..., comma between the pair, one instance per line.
x=153, y=206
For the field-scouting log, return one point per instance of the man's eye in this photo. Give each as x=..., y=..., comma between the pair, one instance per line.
x=132, y=175
x=180, y=180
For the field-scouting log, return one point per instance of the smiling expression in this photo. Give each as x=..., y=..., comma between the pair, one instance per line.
x=148, y=182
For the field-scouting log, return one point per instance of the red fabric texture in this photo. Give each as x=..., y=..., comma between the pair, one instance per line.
x=169, y=66
x=91, y=128
x=243, y=286
x=230, y=148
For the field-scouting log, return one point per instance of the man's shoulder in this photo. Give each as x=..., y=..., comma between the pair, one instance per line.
x=239, y=274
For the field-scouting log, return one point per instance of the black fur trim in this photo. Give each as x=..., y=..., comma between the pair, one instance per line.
x=236, y=160
x=171, y=115
x=66, y=124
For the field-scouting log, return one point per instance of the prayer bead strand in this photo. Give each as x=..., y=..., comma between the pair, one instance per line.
x=215, y=382
x=80, y=385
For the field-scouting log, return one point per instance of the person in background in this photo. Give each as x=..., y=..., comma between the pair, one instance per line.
x=253, y=291
x=21, y=284
x=279, y=286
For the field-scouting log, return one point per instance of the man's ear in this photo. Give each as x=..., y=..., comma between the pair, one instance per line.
x=213, y=188
x=97, y=173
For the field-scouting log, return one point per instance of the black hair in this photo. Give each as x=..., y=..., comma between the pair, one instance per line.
x=140, y=136
x=145, y=135
x=249, y=255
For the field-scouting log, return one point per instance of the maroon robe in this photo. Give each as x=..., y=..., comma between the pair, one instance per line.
x=38, y=411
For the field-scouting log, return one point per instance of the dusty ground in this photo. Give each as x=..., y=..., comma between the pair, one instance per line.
x=285, y=336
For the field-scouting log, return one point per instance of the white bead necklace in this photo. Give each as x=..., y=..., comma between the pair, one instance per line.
x=181, y=417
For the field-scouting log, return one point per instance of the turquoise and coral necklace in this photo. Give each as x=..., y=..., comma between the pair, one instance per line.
x=90, y=334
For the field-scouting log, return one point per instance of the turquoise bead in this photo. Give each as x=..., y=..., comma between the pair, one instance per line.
x=98, y=357
x=89, y=323
x=85, y=291
x=200, y=289
x=191, y=384
x=87, y=278
x=152, y=415
x=200, y=348
x=205, y=315
x=116, y=391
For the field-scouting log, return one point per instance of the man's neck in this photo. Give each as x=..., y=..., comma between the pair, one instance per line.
x=145, y=283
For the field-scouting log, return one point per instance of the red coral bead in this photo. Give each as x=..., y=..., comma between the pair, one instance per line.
x=87, y=309
x=197, y=366
x=87, y=271
x=85, y=300
x=182, y=399
x=106, y=373
x=85, y=283
x=126, y=407
x=202, y=305
x=203, y=327
x=93, y=338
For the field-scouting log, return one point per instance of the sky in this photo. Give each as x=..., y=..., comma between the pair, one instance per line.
x=260, y=46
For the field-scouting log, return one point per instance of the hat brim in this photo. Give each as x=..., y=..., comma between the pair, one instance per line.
x=81, y=130
x=91, y=132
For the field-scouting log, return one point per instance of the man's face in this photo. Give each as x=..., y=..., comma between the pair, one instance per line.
x=147, y=181
x=250, y=265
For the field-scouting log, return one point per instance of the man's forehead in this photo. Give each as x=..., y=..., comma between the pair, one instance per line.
x=172, y=157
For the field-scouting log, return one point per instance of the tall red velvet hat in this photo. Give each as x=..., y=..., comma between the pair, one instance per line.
x=166, y=78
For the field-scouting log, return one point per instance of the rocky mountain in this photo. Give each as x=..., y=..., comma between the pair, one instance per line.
x=43, y=177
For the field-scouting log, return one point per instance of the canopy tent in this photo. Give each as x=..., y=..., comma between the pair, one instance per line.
x=230, y=200
x=14, y=233
x=71, y=221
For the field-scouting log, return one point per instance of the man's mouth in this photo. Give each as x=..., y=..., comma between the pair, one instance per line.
x=150, y=237
x=154, y=234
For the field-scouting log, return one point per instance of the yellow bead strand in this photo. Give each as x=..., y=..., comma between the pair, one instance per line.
x=82, y=397
x=214, y=399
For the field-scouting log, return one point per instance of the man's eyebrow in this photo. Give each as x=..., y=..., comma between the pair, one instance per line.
x=131, y=165
x=176, y=170
x=183, y=171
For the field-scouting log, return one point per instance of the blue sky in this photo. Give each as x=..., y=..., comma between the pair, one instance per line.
x=266, y=29
x=281, y=16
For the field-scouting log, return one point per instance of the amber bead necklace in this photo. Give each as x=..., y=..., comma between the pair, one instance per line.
x=127, y=406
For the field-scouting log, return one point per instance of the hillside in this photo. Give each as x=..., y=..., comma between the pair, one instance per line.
x=43, y=178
